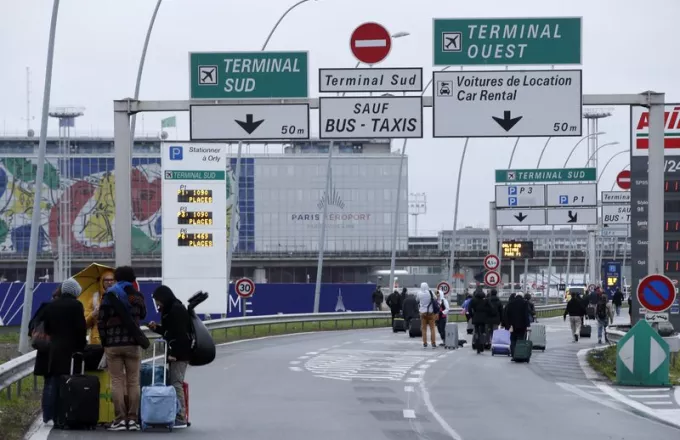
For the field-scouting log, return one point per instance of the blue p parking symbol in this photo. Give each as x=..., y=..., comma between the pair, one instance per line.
x=564, y=200
x=176, y=153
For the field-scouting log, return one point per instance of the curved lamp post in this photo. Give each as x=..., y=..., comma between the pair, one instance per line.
x=579, y=143
x=609, y=161
x=278, y=22
x=596, y=151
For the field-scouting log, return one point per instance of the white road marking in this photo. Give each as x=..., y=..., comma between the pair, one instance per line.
x=408, y=389
x=312, y=352
x=417, y=372
x=649, y=396
x=441, y=356
x=432, y=361
x=413, y=380
x=303, y=357
x=295, y=368
x=425, y=366
x=643, y=390
x=428, y=403
x=370, y=43
x=667, y=402
x=294, y=362
x=409, y=414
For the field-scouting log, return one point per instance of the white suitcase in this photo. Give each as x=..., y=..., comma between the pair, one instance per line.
x=537, y=336
x=451, y=333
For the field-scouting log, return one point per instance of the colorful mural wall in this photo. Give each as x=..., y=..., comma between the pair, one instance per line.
x=89, y=183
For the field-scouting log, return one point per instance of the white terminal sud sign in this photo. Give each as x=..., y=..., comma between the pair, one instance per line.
x=616, y=214
x=572, y=216
x=577, y=194
x=615, y=197
x=520, y=217
x=520, y=196
x=507, y=103
x=402, y=79
x=250, y=122
x=385, y=117
x=194, y=204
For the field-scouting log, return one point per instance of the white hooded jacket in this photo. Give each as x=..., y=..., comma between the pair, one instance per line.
x=424, y=299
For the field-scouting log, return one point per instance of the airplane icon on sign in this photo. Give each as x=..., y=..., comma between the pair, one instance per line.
x=452, y=41
x=207, y=75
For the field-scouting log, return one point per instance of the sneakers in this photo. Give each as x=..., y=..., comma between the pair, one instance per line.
x=133, y=426
x=179, y=424
x=424, y=345
x=117, y=425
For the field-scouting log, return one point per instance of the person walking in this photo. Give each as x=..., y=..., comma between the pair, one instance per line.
x=617, y=301
x=410, y=309
x=603, y=315
x=443, y=316
x=480, y=311
x=394, y=302
x=518, y=320
x=377, y=299
x=64, y=323
x=495, y=312
x=428, y=313
x=176, y=329
x=120, y=313
x=576, y=310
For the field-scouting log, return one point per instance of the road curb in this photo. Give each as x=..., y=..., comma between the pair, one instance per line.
x=589, y=371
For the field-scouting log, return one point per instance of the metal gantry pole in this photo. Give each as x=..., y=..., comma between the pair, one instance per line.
x=36, y=214
x=322, y=233
x=551, y=246
x=455, y=212
x=393, y=257
x=569, y=245
x=656, y=183
x=234, y=214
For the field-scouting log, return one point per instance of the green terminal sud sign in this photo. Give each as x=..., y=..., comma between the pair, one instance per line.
x=547, y=175
x=243, y=75
x=507, y=41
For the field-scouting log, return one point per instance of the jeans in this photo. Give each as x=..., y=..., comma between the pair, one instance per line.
x=428, y=320
x=515, y=336
x=49, y=398
x=441, y=327
x=124, y=364
x=480, y=335
x=177, y=371
x=618, y=310
x=601, y=326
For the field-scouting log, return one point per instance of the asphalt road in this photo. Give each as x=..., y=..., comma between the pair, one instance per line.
x=373, y=384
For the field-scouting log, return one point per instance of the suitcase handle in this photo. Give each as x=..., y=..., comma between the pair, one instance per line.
x=82, y=358
x=153, y=363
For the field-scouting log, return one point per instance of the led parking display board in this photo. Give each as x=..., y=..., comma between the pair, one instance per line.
x=513, y=250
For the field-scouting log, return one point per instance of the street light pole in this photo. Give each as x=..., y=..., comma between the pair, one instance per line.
x=36, y=214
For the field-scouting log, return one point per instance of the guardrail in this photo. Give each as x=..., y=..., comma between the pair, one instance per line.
x=13, y=371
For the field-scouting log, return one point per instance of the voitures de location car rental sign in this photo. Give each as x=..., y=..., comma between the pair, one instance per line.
x=249, y=122
x=371, y=117
x=623, y=179
x=507, y=41
x=491, y=262
x=242, y=75
x=370, y=43
x=444, y=287
x=492, y=278
x=507, y=103
x=656, y=293
x=245, y=288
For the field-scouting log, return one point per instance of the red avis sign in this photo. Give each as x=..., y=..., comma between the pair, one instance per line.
x=671, y=128
x=370, y=43
x=623, y=179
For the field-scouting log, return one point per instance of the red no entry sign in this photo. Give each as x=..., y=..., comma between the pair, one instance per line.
x=623, y=179
x=656, y=293
x=370, y=43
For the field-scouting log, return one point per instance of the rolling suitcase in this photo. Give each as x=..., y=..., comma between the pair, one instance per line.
x=500, y=342
x=523, y=349
x=399, y=325
x=590, y=311
x=78, y=402
x=106, y=410
x=159, y=401
x=585, y=331
x=538, y=337
x=414, y=330
x=451, y=336
x=149, y=373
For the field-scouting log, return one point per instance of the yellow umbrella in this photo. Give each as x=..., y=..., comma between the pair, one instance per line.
x=88, y=279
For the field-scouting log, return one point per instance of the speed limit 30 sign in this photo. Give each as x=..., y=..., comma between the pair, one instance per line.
x=245, y=287
x=444, y=287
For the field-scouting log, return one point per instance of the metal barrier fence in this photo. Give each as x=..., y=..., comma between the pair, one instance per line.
x=13, y=371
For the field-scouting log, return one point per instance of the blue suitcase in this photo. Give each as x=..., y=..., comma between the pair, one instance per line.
x=158, y=406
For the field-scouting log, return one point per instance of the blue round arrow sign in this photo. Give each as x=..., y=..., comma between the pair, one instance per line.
x=656, y=293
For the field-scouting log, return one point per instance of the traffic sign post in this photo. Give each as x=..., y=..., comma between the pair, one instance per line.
x=507, y=41
x=245, y=288
x=623, y=179
x=261, y=122
x=547, y=175
x=370, y=43
x=243, y=75
x=507, y=103
x=491, y=262
x=381, y=117
x=492, y=278
x=656, y=293
x=642, y=357
x=376, y=80
x=444, y=287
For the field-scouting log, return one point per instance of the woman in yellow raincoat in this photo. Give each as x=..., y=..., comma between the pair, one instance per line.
x=106, y=280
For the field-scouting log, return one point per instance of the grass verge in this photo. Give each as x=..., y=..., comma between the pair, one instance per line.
x=17, y=413
x=604, y=362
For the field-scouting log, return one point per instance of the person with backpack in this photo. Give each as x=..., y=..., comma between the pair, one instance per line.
x=532, y=307
x=429, y=310
x=394, y=302
x=603, y=316
x=575, y=309
x=377, y=299
x=443, y=313
x=177, y=330
x=495, y=312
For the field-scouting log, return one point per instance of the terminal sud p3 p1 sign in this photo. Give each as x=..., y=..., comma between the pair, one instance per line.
x=639, y=202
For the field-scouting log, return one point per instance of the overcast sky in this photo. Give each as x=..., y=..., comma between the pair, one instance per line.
x=628, y=47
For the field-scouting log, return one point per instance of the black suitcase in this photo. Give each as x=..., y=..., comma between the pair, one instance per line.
x=414, y=330
x=398, y=325
x=77, y=400
x=590, y=311
x=586, y=331
x=523, y=350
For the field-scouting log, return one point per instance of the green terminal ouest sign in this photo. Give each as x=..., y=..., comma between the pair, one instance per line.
x=547, y=175
x=507, y=41
x=243, y=75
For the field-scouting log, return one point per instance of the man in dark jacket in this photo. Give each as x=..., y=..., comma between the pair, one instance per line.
x=409, y=309
x=64, y=320
x=495, y=311
x=479, y=310
x=120, y=313
x=575, y=309
x=395, y=303
x=617, y=301
x=176, y=329
x=517, y=316
x=377, y=299
x=532, y=308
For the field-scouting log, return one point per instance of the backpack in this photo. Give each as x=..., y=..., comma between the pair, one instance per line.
x=601, y=312
x=434, y=304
